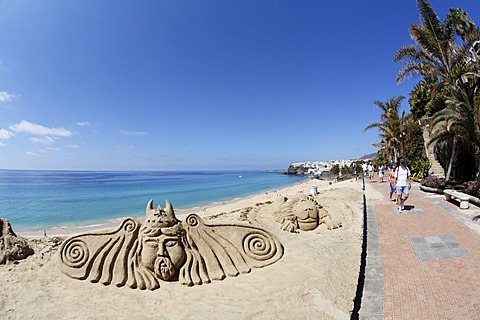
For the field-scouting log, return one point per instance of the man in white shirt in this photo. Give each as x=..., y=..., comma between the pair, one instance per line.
x=370, y=171
x=364, y=168
x=402, y=182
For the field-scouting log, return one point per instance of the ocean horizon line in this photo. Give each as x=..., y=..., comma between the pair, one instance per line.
x=147, y=170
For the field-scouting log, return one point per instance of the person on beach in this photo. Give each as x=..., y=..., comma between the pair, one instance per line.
x=402, y=182
x=391, y=180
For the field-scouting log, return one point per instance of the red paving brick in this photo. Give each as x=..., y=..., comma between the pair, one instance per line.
x=414, y=289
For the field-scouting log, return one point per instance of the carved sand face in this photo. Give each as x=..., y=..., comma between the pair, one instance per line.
x=164, y=248
x=307, y=214
x=163, y=255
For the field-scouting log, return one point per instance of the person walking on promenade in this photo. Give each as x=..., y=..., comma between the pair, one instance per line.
x=380, y=172
x=402, y=182
x=364, y=169
x=355, y=172
x=391, y=180
x=370, y=171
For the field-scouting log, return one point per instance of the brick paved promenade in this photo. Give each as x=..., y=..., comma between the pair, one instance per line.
x=427, y=258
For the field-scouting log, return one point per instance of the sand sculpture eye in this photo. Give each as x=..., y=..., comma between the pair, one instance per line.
x=171, y=243
x=151, y=243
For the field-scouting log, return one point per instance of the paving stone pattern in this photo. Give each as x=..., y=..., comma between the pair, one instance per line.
x=437, y=248
x=430, y=261
x=409, y=209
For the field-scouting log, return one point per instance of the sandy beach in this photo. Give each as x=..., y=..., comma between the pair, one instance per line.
x=315, y=279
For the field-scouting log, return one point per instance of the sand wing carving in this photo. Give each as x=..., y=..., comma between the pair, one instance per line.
x=166, y=249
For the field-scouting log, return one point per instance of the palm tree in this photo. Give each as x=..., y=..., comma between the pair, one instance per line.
x=425, y=99
x=460, y=120
x=435, y=53
x=391, y=126
x=442, y=52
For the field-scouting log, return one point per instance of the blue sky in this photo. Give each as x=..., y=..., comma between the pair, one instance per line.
x=172, y=85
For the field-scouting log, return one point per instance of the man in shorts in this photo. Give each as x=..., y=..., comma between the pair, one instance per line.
x=402, y=182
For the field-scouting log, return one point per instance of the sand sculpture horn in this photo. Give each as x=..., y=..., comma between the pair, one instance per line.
x=167, y=249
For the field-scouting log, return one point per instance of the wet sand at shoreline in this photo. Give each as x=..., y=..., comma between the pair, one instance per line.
x=206, y=210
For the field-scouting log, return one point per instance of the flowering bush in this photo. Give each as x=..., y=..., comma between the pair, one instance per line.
x=433, y=182
x=473, y=188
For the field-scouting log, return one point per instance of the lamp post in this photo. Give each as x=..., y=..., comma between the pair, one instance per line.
x=402, y=136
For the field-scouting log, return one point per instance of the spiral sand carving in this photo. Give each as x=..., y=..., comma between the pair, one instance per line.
x=166, y=249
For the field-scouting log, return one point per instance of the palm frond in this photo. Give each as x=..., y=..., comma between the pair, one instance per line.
x=429, y=18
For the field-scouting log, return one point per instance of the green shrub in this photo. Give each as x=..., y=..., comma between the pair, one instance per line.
x=419, y=169
x=335, y=169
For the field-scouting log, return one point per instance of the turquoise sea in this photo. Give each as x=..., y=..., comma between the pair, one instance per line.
x=35, y=200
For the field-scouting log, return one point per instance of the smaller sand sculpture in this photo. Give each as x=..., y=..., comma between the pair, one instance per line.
x=167, y=249
x=301, y=212
x=12, y=247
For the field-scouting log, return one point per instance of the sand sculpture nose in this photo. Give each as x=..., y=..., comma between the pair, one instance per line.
x=162, y=252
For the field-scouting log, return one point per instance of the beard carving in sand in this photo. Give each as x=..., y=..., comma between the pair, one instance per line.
x=167, y=249
x=302, y=213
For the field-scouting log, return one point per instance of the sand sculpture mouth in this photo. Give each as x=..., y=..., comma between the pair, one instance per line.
x=167, y=249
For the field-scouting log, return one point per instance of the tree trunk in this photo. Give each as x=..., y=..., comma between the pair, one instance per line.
x=452, y=158
x=426, y=142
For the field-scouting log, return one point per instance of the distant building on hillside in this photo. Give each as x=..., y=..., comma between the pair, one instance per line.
x=315, y=168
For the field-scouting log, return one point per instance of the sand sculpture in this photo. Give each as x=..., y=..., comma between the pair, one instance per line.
x=166, y=249
x=12, y=247
x=301, y=212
